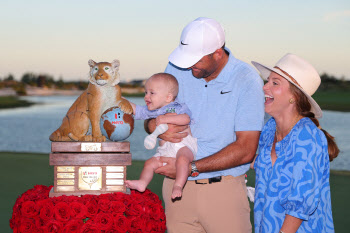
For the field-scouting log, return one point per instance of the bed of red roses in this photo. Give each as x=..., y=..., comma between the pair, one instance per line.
x=35, y=211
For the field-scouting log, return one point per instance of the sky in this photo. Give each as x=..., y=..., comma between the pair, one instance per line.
x=59, y=37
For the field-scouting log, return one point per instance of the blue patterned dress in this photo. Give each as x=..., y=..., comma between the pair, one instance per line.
x=297, y=184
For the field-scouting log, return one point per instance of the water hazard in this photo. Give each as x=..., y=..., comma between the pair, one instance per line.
x=28, y=129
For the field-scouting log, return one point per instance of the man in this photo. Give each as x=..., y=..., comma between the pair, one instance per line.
x=226, y=99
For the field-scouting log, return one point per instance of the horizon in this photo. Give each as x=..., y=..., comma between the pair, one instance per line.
x=58, y=38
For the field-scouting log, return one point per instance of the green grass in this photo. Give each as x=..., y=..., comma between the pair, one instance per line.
x=333, y=100
x=21, y=171
x=13, y=102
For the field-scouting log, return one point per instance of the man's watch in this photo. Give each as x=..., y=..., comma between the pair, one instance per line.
x=194, y=170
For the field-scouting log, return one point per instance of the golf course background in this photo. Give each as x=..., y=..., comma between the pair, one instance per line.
x=21, y=171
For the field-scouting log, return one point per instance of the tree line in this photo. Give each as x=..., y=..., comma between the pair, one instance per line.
x=329, y=82
x=39, y=80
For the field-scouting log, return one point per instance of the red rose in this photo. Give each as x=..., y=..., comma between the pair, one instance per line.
x=53, y=226
x=92, y=209
x=156, y=226
x=89, y=227
x=152, y=197
x=78, y=210
x=117, y=207
x=139, y=224
x=120, y=196
x=103, y=205
x=42, y=191
x=104, y=221
x=27, y=225
x=62, y=212
x=160, y=226
x=157, y=212
x=112, y=231
x=73, y=199
x=135, y=209
x=62, y=198
x=73, y=226
x=121, y=223
x=39, y=192
x=144, y=212
x=29, y=209
x=16, y=219
x=43, y=202
x=41, y=224
x=87, y=198
x=47, y=211
x=136, y=231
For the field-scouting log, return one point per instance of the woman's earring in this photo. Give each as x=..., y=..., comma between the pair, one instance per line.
x=291, y=100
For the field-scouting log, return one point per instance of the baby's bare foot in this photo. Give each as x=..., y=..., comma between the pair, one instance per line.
x=177, y=192
x=139, y=185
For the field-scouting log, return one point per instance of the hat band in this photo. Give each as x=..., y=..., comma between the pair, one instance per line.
x=291, y=78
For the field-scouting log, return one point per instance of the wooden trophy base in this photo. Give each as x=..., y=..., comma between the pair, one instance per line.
x=89, y=168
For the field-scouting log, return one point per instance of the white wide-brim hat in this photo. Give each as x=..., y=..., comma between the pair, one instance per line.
x=199, y=38
x=298, y=72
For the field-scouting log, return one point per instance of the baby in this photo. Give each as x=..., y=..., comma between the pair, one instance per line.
x=160, y=97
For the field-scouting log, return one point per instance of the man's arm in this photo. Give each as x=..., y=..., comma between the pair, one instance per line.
x=176, y=119
x=240, y=152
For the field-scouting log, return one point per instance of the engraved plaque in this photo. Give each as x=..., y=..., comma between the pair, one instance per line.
x=65, y=182
x=65, y=169
x=65, y=188
x=91, y=146
x=90, y=178
x=114, y=169
x=114, y=182
x=115, y=188
x=65, y=175
x=115, y=175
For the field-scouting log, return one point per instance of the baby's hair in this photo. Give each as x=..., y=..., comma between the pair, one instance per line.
x=170, y=81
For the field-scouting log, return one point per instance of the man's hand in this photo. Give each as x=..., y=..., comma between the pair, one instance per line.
x=174, y=133
x=169, y=169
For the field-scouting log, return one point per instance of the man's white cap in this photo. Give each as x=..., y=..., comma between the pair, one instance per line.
x=201, y=37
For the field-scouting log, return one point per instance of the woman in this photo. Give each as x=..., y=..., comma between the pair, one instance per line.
x=292, y=192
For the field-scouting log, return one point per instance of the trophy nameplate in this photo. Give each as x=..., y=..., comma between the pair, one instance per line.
x=65, y=188
x=90, y=178
x=114, y=169
x=114, y=175
x=65, y=175
x=85, y=146
x=65, y=169
x=65, y=182
x=115, y=182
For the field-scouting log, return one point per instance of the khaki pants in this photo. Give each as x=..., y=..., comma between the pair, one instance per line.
x=212, y=208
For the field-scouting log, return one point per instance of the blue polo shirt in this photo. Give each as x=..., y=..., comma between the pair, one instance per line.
x=234, y=101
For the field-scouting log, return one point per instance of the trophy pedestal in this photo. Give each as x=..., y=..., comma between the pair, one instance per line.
x=89, y=168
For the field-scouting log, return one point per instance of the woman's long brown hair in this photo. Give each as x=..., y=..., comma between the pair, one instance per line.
x=303, y=107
